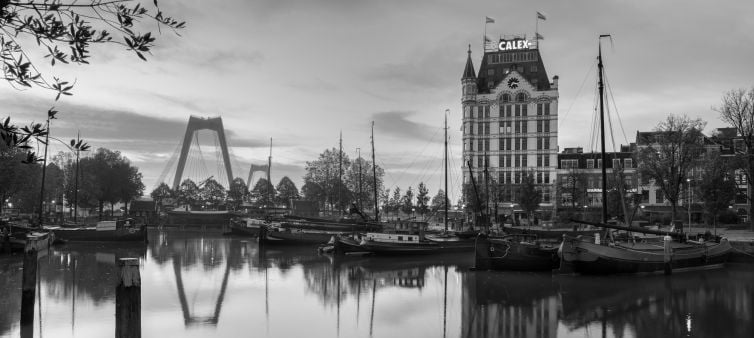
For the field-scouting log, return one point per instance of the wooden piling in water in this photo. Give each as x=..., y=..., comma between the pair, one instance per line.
x=128, y=299
x=29, y=287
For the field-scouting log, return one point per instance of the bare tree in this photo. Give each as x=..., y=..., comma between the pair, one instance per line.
x=573, y=187
x=717, y=185
x=666, y=160
x=737, y=109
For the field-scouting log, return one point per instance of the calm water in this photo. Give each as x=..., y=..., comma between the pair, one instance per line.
x=196, y=285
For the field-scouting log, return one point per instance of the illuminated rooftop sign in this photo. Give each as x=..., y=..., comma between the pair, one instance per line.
x=514, y=44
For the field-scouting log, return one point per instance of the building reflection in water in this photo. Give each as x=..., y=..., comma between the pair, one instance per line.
x=207, y=285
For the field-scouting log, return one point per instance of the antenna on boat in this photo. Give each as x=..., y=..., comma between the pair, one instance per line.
x=601, y=86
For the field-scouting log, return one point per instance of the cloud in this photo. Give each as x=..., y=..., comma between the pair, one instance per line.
x=144, y=135
x=397, y=124
x=317, y=84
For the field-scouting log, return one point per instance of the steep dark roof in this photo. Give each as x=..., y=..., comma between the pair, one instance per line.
x=525, y=68
x=468, y=72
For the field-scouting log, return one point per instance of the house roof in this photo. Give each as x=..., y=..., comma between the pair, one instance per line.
x=491, y=72
x=468, y=72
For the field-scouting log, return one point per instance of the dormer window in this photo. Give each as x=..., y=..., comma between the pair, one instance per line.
x=520, y=97
x=506, y=98
x=491, y=72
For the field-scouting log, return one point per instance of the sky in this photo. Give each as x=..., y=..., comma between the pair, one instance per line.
x=300, y=72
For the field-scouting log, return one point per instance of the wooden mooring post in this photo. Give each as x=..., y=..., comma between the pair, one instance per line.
x=128, y=299
x=29, y=287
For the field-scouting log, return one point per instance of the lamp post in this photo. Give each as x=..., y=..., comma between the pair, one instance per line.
x=584, y=216
x=689, y=197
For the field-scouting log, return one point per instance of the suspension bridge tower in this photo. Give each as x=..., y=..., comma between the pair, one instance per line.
x=194, y=125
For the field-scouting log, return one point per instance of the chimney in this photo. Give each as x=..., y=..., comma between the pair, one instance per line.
x=554, y=83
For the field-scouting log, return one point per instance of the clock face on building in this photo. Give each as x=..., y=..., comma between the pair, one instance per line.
x=513, y=83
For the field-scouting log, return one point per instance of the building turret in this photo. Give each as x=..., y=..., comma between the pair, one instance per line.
x=469, y=80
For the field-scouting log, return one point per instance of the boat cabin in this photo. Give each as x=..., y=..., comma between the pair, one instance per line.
x=113, y=225
x=408, y=227
x=392, y=237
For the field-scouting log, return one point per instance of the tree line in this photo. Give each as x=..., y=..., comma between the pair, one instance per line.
x=211, y=195
x=104, y=179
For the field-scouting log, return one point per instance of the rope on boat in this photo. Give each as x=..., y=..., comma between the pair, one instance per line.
x=743, y=252
x=507, y=249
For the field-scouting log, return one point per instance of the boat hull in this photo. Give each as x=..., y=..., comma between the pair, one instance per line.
x=93, y=235
x=18, y=243
x=296, y=237
x=549, y=233
x=421, y=248
x=512, y=253
x=589, y=258
x=243, y=230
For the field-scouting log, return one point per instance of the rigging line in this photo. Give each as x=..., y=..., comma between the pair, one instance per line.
x=169, y=166
x=620, y=121
x=610, y=123
x=578, y=92
x=454, y=177
x=400, y=176
x=595, y=123
x=203, y=160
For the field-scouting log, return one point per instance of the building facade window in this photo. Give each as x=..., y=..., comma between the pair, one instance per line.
x=590, y=163
x=628, y=163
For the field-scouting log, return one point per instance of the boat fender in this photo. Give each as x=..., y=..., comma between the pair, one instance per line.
x=597, y=239
x=363, y=241
x=332, y=240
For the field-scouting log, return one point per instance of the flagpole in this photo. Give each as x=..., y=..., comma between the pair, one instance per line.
x=484, y=37
x=536, y=30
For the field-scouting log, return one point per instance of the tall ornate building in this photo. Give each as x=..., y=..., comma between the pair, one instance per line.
x=510, y=122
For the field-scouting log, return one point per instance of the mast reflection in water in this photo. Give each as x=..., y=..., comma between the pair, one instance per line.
x=204, y=285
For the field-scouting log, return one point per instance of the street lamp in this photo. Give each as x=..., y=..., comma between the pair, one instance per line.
x=584, y=216
x=690, y=197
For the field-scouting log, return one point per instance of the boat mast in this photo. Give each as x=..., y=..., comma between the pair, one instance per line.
x=76, y=181
x=476, y=192
x=374, y=178
x=340, y=174
x=269, y=174
x=445, y=196
x=486, y=191
x=601, y=87
x=361, y=207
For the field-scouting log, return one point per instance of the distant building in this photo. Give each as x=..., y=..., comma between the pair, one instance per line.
x=510, y=121
x=144, y=209
x=730, y=144
x=580, y=175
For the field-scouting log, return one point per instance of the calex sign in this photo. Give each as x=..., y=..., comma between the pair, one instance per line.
x=514, y=44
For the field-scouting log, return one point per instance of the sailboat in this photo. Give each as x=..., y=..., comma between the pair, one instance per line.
x=674, y=253
x=297, y=230
x=412, y=240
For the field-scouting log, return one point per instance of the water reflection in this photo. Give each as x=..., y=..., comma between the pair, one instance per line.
x=196, y=285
